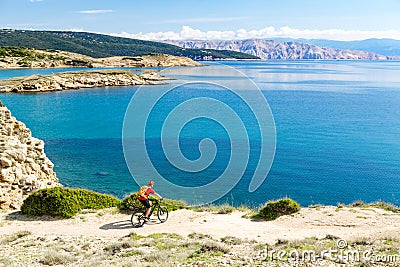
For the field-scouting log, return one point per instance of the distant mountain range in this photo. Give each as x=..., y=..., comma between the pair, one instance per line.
x=387, y=47
x=292, y=50
x=99, y=45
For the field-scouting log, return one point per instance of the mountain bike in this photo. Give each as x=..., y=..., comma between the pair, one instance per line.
x=138, y=217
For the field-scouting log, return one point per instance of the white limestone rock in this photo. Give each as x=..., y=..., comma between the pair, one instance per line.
x=24, y=167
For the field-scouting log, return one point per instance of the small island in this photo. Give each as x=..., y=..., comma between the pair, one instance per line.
x=19, y=57
x=78, y=80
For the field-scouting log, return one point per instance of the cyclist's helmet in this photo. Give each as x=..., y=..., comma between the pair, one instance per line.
x=151, y=182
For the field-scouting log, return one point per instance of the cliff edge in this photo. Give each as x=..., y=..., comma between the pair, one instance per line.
x=24, y=166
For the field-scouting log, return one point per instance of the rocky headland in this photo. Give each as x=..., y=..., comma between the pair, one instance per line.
x=78, y=80
x=24, y=166
x=20, y=57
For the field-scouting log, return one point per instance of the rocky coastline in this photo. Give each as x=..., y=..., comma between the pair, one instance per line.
x=78, y=80
x=20, y=57
x=24, y=166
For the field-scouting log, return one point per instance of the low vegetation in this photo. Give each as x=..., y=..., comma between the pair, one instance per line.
x=225, y=208
x=379, y=204
x=9, y=51
x=56, y=258
x=27, y=56
x=7, y=239
x=165, y=249
x=65, y=202
x=275, y=209
x=132, y=202
x=169, y=249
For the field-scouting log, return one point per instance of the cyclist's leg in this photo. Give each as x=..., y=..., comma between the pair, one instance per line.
x=146, y=203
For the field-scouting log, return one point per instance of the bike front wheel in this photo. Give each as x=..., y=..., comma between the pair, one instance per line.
x=162, y=213
x=138, y=218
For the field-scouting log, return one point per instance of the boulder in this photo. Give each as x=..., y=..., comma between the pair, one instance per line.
x=5, y=162
x=30, y=179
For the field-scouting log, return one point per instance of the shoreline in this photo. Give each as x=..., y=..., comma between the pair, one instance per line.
x=78, y=80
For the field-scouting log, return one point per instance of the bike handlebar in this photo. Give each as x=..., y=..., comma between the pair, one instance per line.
x=156, y=199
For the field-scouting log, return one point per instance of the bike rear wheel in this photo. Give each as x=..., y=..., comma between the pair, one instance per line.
x=138, y=218
x=162, y=213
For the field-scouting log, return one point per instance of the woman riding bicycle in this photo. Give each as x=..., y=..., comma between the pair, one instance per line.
x=144, y=193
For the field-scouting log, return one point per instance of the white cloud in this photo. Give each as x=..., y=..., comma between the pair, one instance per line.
x=95, y=11
x=34, y=1
x=75, y=30
x=188, y=33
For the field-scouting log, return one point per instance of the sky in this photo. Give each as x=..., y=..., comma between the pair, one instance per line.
x=209, y=19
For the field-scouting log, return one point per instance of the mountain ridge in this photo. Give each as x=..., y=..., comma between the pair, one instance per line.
x=270, y=49
x=100, y=45
x=383, y=46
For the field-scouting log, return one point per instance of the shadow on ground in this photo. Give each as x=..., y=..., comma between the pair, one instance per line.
x=126, y=225
x=18, y=216
x=117, y=225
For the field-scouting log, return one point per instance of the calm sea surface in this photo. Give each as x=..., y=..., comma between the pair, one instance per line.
x=337, y=132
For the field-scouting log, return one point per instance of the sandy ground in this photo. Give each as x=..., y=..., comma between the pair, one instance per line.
x=346, y=223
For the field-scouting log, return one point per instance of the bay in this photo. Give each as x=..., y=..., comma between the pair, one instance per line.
x=337, y=125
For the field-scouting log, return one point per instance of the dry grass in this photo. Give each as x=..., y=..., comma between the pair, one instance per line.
x=53, y=257
x=225, y=208
x=162, y=249
x=13, y=237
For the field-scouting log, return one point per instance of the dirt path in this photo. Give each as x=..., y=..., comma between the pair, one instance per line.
x=346, y=223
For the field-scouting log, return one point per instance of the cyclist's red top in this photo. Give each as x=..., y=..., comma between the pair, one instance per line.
x=147, y=193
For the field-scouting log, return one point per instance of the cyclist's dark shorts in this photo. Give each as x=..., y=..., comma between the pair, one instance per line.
x=145, y=203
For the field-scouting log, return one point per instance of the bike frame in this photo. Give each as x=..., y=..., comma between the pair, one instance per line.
x=138, y=219
x=153, y=206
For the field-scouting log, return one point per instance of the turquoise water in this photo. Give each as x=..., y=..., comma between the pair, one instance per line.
x=337, y=124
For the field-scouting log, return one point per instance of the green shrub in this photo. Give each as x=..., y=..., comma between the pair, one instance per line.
x=40, y=56
x=132, y=202
x=51, y=201
x=274, y=209
x=173, y=204
x=358, y=204
x=92, y=200
x=65, y=202
x=14, y=51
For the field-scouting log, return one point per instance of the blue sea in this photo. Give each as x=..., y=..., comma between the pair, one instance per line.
x=337, y=131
